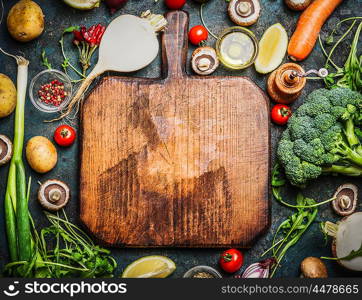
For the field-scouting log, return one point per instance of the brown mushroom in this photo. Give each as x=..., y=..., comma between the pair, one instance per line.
x=53, y=194
x=6, y=150
x=297, y=4
x=244, y=12
x=204, y=60
x=346, y=199
x=313, y=267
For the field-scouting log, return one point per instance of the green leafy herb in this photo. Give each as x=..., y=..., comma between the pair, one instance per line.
x=350, y=75
x=66, y=62
x=63, y=250
x=45, y=60
x=70, y=29
x=278, y=180
x=291, y=230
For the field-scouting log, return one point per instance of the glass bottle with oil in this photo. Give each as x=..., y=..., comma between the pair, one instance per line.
x=237, y=48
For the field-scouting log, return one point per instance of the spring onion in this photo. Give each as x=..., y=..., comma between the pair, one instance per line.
x=16, y=204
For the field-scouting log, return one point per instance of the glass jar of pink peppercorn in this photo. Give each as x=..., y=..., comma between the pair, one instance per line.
x=50, y=91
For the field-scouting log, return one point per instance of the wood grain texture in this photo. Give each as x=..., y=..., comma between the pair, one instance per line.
x=180, y=161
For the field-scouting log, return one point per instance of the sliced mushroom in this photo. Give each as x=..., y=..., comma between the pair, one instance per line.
x=244, y=12
x=53, y=194
x=6, y=150
x=204, y=60
x=346, y=199
x=297, y=4
x=313, y=267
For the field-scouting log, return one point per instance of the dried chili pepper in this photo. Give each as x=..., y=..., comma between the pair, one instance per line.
x=87, y=41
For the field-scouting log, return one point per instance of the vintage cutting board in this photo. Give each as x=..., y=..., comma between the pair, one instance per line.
x=180, y=161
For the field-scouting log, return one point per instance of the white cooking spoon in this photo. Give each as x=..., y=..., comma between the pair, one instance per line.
x=129, y=44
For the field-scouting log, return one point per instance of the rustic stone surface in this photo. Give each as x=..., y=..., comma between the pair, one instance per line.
x=59, y=16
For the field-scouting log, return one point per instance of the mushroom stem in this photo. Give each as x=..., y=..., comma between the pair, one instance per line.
x=345, y=202
x=346, y=199
x=203, y=64
x=55, y=195
x=204, y=60
x=243, y=8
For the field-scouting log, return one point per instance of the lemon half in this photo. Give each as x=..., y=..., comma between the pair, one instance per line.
x=154, y=266
x=82, y=4
x=272, y=48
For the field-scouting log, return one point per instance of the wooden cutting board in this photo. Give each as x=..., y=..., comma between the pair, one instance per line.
x=179, y=161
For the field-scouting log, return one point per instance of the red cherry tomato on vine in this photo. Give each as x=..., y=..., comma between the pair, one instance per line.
x=64, y=135
x=280, y=114
x=231, y=260
x=198, y=34
x=175, y=4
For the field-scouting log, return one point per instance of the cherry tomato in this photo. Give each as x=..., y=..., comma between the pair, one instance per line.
x=64, y=135
x=280, y=114
x=198, y=34
x=231, y=260
x=175, y=4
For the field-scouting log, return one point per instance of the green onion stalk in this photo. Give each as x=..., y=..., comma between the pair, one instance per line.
x=16, y=204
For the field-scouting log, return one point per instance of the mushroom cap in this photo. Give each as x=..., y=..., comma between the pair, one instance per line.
x=346, y=199
x=56, y=189
x=313, y=267
x=204, y=60
x=6, y=149
x=244, y=12
x=297, y=4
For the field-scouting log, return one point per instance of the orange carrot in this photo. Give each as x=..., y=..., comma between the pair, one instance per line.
x=309, y=25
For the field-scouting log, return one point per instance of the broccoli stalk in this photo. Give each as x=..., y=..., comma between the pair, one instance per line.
x=346, y=153
x=349, y=131
x=349, y=171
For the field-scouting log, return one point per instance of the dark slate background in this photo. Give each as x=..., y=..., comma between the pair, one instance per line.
x=59, y=16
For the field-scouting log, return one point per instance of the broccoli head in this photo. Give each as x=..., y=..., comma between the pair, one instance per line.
x=321, y=137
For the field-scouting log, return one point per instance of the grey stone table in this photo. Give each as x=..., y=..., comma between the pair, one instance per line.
x=59, y=16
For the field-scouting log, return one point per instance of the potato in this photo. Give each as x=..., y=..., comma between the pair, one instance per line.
x=7, y=96
x=41, y=154
x=25, y=21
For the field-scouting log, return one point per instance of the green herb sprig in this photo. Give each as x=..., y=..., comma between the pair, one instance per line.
x=45, y=61
x=63, y=250
x=350, y=75
x=66, y=62
x=290, y=231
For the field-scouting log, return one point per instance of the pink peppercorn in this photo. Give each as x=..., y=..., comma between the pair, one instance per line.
x=52, y=93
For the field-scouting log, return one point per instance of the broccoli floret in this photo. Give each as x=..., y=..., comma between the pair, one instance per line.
x=320, y=137
x=295, y=172
x=302, y=128
x=329, y=137
x=311, y=152
x=315, y=107
x=285, y=150
x=311, y=171
x=338, y=111
x=316, y=95
x=343, y=96
x=324, y=121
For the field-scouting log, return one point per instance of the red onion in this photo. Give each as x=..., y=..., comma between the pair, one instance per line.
x=115, y=4
x=259, y=269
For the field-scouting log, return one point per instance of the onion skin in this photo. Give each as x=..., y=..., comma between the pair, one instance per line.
x=259, y=269
x=114, y=5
